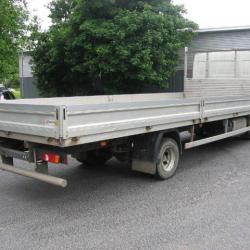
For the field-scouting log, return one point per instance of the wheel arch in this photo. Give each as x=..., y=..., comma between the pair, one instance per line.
x=146, y=150
x=174, y=134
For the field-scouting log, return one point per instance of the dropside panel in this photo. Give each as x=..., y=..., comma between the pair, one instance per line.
x=35, y=120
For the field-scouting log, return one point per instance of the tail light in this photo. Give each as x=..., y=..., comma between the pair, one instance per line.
x=54, y=158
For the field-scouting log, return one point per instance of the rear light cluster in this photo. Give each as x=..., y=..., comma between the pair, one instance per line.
x=51, y=157
x=54, y=158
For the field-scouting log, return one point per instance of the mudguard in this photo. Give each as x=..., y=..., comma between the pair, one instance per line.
x=146, y=149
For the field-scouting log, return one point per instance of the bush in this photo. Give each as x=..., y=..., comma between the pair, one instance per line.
x=109, y=47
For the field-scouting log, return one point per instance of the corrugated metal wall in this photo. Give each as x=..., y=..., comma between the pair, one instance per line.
x=222, y=40
x=209, y=41
x=29, y=88
x=28, y=82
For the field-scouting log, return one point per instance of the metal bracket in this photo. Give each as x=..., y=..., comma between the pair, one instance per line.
x=202, y=108
x=62, y=118
x=42, y=167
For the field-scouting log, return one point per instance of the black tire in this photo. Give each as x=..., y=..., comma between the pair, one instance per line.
x=168, y=159
x=95, y=158
x=245, y=136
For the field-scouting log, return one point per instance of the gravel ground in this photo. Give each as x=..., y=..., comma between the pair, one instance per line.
x=205, y=206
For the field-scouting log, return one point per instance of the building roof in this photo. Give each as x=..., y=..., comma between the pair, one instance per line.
x=224, y=29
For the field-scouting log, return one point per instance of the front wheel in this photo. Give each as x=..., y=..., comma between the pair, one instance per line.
x=168, y=159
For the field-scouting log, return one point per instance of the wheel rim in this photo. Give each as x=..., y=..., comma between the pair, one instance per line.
x=168, y=159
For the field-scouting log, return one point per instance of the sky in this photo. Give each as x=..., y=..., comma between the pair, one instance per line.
x=207, y=13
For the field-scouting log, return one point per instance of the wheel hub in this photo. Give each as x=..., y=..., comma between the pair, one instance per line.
x=168, y=159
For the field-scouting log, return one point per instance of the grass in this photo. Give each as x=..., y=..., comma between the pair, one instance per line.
x=17, y=93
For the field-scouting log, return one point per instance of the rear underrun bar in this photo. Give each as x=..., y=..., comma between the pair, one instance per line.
x=34, y=175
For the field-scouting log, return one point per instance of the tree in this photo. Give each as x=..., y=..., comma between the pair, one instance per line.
x=61, y=10
x=13, y=17
x=109, y=46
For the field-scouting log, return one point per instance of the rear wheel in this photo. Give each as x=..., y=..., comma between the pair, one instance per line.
x=245, y=135
x=168, y=159
x=95, y=157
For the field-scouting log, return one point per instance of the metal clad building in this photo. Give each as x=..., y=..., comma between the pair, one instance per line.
x=28, y=82
x=206, y=39
x=224, y=38
x=212, y=39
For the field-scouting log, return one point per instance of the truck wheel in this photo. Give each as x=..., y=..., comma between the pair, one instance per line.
x=95, y=158
x=168, y=159
x=245, y=135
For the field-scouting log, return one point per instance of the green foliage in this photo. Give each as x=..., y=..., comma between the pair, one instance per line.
x=13, y=16
x=17, y=93
x=109, y=46
x=61, y=10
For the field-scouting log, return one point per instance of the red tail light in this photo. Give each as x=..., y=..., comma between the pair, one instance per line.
x=51, y=157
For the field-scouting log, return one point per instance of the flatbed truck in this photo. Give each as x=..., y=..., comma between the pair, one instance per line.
x=144, y=130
